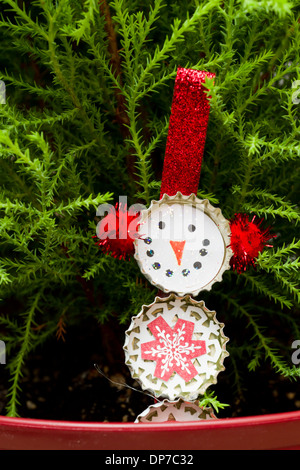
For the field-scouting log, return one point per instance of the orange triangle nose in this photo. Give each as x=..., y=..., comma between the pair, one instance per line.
x=178, y=250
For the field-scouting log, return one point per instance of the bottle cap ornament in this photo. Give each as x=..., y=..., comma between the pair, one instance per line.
x=175, y=348
x=178, y=410
x=183, y=244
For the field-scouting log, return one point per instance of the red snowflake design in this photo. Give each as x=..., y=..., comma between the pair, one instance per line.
x=173, y=349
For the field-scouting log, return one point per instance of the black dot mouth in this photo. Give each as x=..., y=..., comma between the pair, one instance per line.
x=185, y=272
x=156, y=266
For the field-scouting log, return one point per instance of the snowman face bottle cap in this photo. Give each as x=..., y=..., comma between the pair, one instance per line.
x=183, y=244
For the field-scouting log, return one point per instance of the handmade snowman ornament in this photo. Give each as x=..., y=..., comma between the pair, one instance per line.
x=175, y=347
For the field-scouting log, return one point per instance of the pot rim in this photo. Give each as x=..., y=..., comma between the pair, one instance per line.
x=222, y=423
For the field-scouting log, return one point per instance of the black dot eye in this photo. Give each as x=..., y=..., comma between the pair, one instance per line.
x=148, y=240
x=205, y=242
x=161, y=225
x=150, y=253
x=197, y=265
x=169, y=273
x=203, y=252
x=191, y=228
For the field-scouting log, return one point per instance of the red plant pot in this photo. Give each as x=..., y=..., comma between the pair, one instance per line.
x=268, y=432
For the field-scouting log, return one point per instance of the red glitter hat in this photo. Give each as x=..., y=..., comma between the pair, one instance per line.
x=187, y=133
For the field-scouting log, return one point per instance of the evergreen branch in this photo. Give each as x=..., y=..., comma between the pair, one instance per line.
x=80, y=203
x=115, y=60
x=116, y=72
x=17, y=363
x=16, y=207
x=134, y=31
x=35, y=166
x=281, y=8
x=245, y=71
x=274, y=149
x=9, y=323
x=45, y=93
x=289, y=213
x=265, y=343
x=83, y=26
x=61, y=77
x=283, y=271
x=34, y=119
x=260, y=284
x=33, y=27
x=4, y=276
x=100, y=265
x=178, y=31
x=61, y=327
x=288, y=283
x=210, y=400
x=211, y=197
x=267, y=196
x=272, y=259
x=285, y=209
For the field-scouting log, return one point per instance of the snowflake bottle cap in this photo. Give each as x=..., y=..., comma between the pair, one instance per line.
x=183, y=244
x=178, y=410
x=175, y=348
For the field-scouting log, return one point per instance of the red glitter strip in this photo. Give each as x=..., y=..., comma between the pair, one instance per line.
x=187, y=133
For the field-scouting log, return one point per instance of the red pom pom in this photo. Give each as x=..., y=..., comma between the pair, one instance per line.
x=117, y=232
x=247, y=241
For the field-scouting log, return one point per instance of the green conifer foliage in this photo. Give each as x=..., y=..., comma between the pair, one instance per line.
x=88, y=95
